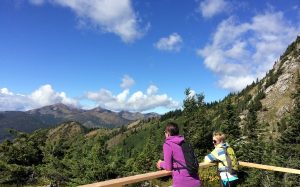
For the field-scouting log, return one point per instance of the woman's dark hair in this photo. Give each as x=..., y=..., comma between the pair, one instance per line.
x=172, y=129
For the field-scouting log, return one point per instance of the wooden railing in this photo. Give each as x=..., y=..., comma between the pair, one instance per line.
x=154, y=175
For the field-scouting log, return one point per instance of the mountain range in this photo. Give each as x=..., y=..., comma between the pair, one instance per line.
x=52, y=115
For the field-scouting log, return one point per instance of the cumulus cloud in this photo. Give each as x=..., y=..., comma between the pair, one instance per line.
x=241, y=52
x=138, y=101
x=170, y=43
x=152, y=89
x=5, y=91
x=210, y=8
x=45, y=95
x=113, y=16
x=127, y=82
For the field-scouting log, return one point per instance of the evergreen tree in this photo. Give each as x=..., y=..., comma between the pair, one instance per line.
x=197, y=126
x=18, y=159
x=54, y=168
x=290, y=141
x=252, y=147
x=251, y=126
x=230, y=122
x=150, y=154
x=90, y=162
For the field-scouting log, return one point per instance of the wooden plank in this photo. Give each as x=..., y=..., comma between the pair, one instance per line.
x=271, y=168
x=130, y=179
x=138, y=178
x=153, y=175
x=203, y=165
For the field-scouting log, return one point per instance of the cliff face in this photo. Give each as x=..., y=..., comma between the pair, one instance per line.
x=278, y=86
x=279, y=95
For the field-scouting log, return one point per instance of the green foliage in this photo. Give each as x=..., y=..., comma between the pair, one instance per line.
x=229, y=121
x=171, y=114
x=271, y=79
x=197, y=126
x=19, y=158
x=289, y=142
x=272, y=76
x=291, y=48
x=243, y=102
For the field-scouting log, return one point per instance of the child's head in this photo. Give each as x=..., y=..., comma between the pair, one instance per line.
x=218, y=137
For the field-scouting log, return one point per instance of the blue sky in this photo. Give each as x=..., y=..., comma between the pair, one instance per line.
x=137, y=55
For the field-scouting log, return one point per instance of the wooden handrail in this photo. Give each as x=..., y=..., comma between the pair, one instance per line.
x=271, y=168
x=153, y=175
x=138, y=178
x=130, y=179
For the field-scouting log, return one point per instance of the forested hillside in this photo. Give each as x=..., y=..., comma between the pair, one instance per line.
x=262, y=123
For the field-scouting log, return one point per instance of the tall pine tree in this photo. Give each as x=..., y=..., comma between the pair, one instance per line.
x=197, y=126
x=230, y=122
x=252, y=146
x=289, y=142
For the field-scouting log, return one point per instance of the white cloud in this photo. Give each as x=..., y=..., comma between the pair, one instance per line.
x=138, y=101
x=127, y=82
x=192, y=94
x=5, y=91
x=9, y=101
x=113, y=16
x=44, y=95
x=210, y=8
x=170, y=43
x=236, y=83
x=241, y=52
x=152, y=89
x=46, y=92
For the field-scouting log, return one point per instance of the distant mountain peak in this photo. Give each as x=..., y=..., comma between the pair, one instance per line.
x=55, y=109
x=100, y=109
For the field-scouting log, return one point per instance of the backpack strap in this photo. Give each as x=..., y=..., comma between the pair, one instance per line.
x=229, y=162
x=177, y=168
x=228, y=159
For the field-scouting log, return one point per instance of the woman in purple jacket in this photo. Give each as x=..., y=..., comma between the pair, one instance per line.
x=173, y=151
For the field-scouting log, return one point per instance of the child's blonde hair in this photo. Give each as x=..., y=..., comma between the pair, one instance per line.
x=220, y=136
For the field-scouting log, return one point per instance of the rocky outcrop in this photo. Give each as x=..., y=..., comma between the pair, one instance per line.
x=278, y=100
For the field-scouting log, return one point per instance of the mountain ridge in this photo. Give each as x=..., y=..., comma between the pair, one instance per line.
x=50, y=115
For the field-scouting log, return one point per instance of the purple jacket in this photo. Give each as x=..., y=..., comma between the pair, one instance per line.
x=181, y=177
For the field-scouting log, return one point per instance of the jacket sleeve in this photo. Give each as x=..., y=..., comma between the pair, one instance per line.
x=167, y=163
x=211, y=157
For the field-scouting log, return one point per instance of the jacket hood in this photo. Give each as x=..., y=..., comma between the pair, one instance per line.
x=175, y=139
